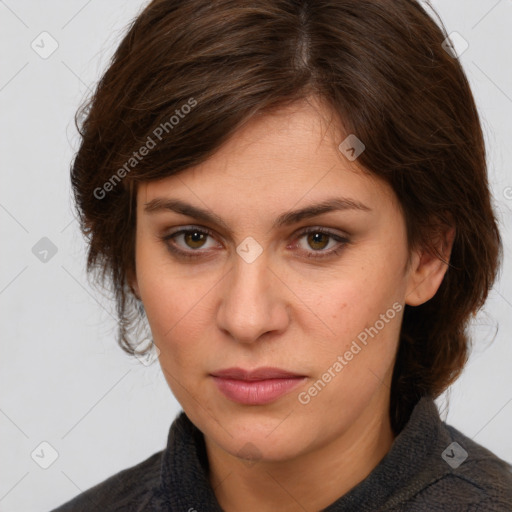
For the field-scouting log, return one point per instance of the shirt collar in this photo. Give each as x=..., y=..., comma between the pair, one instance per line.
x=185, y=486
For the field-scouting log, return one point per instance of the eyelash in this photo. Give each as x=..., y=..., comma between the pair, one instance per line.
x=320, y=254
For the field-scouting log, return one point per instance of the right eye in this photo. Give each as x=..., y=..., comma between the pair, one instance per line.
x=192, y=239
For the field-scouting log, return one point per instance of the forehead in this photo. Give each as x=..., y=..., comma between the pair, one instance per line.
x=288, y=156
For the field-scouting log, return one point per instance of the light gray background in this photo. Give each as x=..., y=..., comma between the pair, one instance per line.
x=63, y=379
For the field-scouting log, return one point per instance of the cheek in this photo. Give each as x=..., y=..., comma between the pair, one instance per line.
x=177, y=310
x=174, y=302
x=350, y=364
x=177, y=321
x=354, y=297
x=361, y=312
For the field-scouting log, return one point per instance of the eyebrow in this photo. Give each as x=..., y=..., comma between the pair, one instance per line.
x=286, y=219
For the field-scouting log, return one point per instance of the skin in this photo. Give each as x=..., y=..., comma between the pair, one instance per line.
x=284, y=309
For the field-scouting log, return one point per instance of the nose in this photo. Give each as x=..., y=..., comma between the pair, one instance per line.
x=252, y=301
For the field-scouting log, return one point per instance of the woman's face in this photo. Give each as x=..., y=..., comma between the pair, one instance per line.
x=255, y=285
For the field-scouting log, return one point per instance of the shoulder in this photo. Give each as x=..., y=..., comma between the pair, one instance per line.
x=472, y=479
x=130, y=489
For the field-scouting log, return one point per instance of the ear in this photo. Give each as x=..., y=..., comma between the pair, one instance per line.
x=427, y=270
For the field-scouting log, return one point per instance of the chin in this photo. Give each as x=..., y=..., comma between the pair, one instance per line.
x=262, y=448
x=264, y=438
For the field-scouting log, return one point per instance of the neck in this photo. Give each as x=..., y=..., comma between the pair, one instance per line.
x=310, y=481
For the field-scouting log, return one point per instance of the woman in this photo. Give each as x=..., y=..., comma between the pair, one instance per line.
x=294, y=194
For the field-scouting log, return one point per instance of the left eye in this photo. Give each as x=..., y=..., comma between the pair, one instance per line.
x=318, y=239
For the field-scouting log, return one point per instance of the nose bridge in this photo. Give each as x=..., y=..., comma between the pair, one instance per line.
x=249, y=306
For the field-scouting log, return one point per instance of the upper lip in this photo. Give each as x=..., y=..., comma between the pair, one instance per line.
x=262, y=373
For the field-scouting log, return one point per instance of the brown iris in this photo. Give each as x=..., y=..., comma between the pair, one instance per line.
x=195, y=237
x=313, y=237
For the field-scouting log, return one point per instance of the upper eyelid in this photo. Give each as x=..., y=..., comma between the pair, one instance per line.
x=299, y=233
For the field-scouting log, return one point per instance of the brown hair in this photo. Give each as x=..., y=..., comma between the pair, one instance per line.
x=378, y=64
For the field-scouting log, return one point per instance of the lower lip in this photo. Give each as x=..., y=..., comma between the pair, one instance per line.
x=256, y=392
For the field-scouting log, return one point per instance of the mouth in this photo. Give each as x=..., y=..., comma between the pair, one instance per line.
x=256, y=387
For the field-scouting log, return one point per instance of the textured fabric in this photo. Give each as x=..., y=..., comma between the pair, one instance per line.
x=424, y=471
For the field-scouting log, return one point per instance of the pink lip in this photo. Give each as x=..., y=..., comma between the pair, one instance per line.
x=256, y=387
